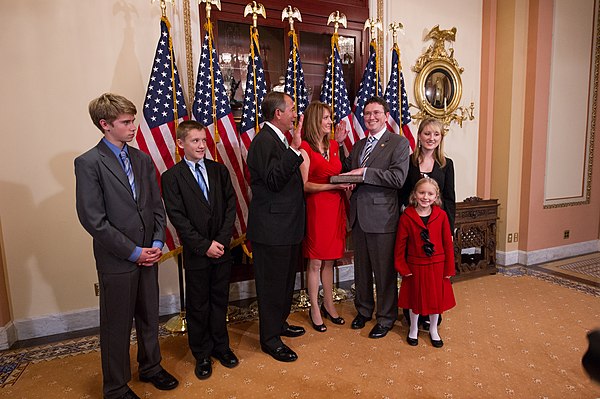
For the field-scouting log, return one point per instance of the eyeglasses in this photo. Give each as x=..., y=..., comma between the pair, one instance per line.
x=428, y=246
x=374, y=113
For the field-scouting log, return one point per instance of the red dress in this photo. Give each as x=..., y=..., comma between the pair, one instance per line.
x=426, y=291
x=325, y=210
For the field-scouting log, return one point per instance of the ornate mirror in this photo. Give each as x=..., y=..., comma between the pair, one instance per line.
x=438, y=86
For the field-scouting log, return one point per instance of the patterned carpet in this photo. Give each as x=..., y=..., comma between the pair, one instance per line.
x=585, y=267
x=508, y=337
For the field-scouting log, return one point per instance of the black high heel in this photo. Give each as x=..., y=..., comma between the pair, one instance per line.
x=319, y=327
x=335, y=320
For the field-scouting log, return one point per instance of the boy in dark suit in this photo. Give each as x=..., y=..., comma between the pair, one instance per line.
x=200, y=202
x=119, y=204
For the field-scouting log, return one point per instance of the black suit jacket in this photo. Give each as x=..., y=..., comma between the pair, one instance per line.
x=107, y=210
x=276, y=215
x=198, y=223
x=444, y=178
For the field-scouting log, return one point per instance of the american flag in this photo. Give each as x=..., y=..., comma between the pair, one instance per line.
x=335, y=94
x=394, y=87
x=370, y=86
x=156, y=132
x=256, y=89
x=211, y=108
x=294, y=78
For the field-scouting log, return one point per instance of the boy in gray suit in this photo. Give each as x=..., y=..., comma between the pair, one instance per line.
x=119, y=204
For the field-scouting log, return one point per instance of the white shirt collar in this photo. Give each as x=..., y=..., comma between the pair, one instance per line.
x=379, y=134
x=278, y=132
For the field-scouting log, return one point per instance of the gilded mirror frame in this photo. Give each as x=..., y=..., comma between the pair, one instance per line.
x=438, y=88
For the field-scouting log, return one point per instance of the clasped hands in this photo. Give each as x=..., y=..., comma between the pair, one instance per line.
x=216, y=250
x=149, y=256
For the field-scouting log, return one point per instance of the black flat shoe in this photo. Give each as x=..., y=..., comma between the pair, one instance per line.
x=282, y=353
x=227, y=358
x=359, y=321
x=379, y=331
x=318, y=327
x=162, y=380
x=129, y=395
x=293, y=331
x=437, y=343
x=412, y=341
x=203, y=368
x=334, y=320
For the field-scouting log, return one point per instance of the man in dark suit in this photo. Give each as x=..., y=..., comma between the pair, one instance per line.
x=382, y=159
x=119, y=204
x=276, y=221
x=200, y=202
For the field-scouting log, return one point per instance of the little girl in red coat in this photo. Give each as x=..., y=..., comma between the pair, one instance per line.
x=424, y=256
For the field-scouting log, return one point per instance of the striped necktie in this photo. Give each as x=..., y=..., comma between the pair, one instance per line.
x=201, y=181
x=367, y=152
x=128, y=170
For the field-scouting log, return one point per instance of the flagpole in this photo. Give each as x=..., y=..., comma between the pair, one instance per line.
x=255, y=9
x=253, y=42
x=338, y=19
x=373, y=26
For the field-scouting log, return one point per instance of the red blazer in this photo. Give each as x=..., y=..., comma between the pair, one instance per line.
x=409, y=244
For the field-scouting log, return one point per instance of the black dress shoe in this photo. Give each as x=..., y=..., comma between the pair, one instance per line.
x=437, y=343
x=227, y=358
x=161, y=380
x=359, y=321
x=318, y=327
x=379, y=331
x=412, y=341
x=293, y=331
x=203, y=368
x=129, y=395
x=334, y=320
x=282, y=353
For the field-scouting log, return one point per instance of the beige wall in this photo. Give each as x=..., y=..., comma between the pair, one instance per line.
x=59, y=54
x=418, y=18
x=544, y=227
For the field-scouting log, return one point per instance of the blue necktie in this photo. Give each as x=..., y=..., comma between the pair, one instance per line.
x=128, y=171
x=201, y=182
x=368, y=149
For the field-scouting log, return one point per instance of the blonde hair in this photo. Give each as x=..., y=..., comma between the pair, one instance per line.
x=413, y=195
x=313, y=118
x=438, y=153
x=108, y=107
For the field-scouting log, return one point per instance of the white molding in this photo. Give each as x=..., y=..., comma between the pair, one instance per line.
x=528, y=258
x=8, y=335
x=82, y=319
x=561, y=252
x=507, y=258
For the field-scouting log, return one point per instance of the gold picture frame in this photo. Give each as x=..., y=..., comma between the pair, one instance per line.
x=438, y=88
x=438, y=85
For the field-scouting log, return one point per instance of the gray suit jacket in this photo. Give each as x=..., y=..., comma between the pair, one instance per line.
x=107, y=210
x=374, y=203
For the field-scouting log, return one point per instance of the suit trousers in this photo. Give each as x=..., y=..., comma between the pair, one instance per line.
x=123, y=297
x=275, y=275
x=374, y=256
x=207, y=297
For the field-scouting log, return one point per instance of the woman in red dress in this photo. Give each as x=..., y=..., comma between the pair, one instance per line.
x=424, y=256
x=325, y=210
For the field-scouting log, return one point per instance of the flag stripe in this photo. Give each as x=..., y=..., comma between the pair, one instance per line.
x=225, y=146
x=156, y=132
